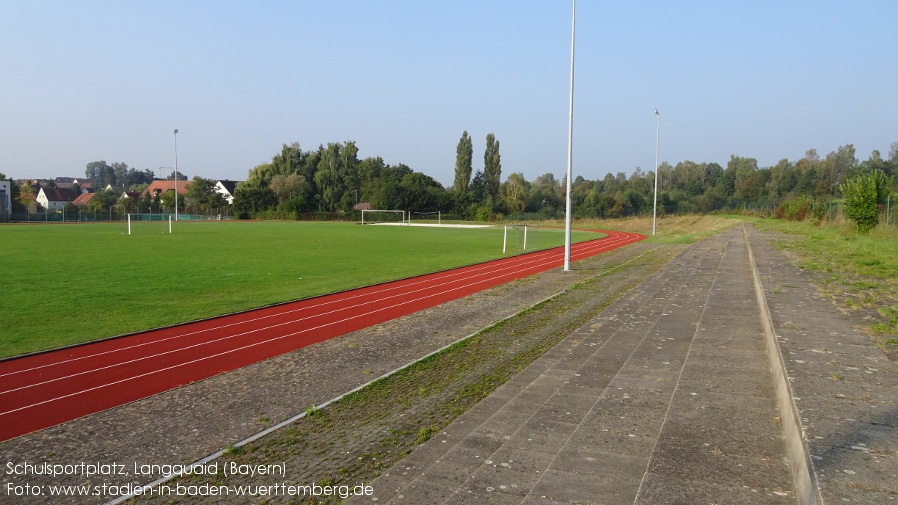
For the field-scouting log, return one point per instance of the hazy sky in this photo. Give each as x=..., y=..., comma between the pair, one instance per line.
x=110, y=80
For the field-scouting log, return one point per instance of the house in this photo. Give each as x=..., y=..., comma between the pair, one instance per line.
x=158, y=187
x=74, y=186
x=83, y=199
x=82, y=185
x=227, y=189
x=55, y=198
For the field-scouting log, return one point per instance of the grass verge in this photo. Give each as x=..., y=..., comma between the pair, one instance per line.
x=857, y=272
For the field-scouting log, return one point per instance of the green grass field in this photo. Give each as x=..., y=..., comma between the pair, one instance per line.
x=65, y=284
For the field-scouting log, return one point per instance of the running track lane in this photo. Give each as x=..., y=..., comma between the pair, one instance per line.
x=47, y=389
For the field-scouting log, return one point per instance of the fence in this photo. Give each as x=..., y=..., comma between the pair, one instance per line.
x=100, y=217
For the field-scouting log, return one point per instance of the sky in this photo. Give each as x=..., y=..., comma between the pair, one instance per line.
x=82, y=81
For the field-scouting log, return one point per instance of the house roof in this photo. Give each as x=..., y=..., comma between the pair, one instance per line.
x=166, y=185
x=82, y=188
x=83, y=199
x=229, y=185
x=59, y=194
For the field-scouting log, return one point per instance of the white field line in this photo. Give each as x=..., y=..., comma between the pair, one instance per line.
x=234, y=349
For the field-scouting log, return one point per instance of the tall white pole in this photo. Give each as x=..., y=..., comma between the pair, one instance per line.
x=570, y=146
x=176, y=174
x=655, y=204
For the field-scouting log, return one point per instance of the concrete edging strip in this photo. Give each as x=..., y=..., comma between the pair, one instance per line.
x=805, y=481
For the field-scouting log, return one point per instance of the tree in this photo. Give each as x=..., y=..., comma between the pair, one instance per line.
x=514, y=193
x=328, y=178
x=203, y=197
x=464, y=155
x=252, y=197
x=288, y=186
x=862, y=197
x=492, y=167
x=27, y=195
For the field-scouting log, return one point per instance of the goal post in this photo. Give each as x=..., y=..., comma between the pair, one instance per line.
x=376, y=211
x=519, y=235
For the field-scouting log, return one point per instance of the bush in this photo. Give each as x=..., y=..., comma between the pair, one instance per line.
x=796, y=209
x=862, y=195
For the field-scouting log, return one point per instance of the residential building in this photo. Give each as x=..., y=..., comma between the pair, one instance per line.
x=227, y=189
x=55, y=198
x=83, y=199
x=159, y=186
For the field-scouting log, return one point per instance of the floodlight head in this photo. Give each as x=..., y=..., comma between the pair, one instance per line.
x=176, y=130
x=656, y=113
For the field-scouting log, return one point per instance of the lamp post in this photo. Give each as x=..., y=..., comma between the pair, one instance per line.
x=176, y=174
x=655, y=204
x=570, y=146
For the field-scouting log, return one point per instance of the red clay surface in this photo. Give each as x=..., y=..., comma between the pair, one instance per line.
x=47, y=389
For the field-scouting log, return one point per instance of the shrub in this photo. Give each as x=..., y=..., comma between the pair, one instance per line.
x=862, y=196
x=796, y=209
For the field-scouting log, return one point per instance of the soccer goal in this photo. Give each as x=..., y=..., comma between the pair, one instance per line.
x=137, y=224
x=426, y=216
x=516, y=236
x=375, y=216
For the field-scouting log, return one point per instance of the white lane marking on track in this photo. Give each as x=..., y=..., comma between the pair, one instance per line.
x=599, y=243
x=229, y=351
x=532, y=264
x=601, y=249
x=388, y=287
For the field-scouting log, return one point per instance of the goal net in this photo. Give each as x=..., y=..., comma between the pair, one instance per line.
x=137, y=224
x=520, y=238
x=374, y=216
x=426, y=217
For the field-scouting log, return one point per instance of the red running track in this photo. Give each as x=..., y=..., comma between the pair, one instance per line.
x=47, y=389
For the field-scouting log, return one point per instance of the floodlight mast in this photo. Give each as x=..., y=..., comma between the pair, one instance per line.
x=570, y=145
x=176, y=174
x=655, y=204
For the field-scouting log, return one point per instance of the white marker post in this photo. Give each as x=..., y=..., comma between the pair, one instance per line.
x=504, y=240
x=129, y=223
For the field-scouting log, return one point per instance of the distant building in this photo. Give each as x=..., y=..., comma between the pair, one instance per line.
x=55, y=198
x=227, y=189
x=83, y=199
x=5, y=197
x=159, y=186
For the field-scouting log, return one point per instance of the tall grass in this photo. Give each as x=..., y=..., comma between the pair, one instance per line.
x=64, y=284
x=861, y=271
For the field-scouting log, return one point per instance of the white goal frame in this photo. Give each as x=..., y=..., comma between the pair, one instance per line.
x=402, y=212
x=505, y=235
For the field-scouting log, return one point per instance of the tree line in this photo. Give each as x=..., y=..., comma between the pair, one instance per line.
x=333, y=179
